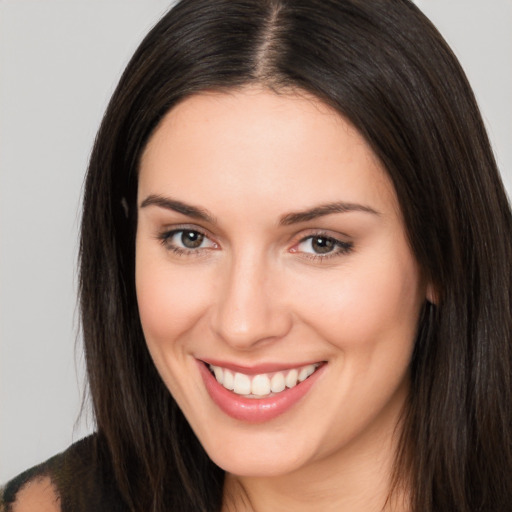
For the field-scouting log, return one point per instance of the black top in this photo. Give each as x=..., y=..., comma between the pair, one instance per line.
x=82, y=477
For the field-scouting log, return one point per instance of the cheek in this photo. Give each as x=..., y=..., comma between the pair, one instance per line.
x=369, y=303
x=170, y=299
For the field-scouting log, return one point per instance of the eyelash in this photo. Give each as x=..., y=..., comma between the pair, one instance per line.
x=166, y=237
x=340, y=247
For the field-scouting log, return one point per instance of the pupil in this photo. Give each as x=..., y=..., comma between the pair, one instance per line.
x=323, y=245
x=191, y=239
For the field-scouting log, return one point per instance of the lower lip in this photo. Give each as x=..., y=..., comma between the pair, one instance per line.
x=256, y=410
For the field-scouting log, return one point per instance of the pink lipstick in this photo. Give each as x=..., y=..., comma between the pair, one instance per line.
x=255, y=409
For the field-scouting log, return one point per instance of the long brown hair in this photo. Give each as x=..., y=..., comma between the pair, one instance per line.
x=384, y=67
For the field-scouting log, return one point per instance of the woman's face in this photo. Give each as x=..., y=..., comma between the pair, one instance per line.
x=270, y=246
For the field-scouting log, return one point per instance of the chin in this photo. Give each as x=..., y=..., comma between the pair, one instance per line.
x=266, y=465
x=254, y=455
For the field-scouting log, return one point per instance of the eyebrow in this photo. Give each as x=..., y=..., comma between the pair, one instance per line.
x=322, y=210
x=178, y=206
x=286, y=220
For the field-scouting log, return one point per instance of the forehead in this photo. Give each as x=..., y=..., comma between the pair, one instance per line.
x=290, y=150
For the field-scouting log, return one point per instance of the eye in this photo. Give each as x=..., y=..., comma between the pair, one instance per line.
x=320, y=245
x=186, y=240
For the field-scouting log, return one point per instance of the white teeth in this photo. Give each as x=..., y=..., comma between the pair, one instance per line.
x=242, y=384
x=277, y=383
x=291, y=378
x=261, y=385
x=306, y=372
x=228, y=381
x=219, y=374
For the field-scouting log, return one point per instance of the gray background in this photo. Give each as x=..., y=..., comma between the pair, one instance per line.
x=59, y=63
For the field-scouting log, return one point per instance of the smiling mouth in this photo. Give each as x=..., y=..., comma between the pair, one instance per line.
x=262, y=385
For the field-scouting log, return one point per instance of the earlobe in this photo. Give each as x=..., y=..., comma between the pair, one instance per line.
x=432, y=294
x=124, y=204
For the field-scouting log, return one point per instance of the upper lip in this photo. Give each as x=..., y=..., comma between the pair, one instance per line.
x=257, y=368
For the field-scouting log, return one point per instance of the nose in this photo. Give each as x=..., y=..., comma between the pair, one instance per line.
x=250, y=309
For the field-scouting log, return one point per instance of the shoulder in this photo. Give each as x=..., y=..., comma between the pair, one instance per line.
x=38, y=493
x=79, y=480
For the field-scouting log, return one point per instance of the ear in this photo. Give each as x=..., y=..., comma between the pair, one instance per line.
x=431, y=293
x=124, y=204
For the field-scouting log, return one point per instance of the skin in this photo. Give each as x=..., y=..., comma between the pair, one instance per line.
x=256, y=291
x=39, y=494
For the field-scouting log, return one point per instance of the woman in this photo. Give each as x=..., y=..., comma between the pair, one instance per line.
x=295, y=281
